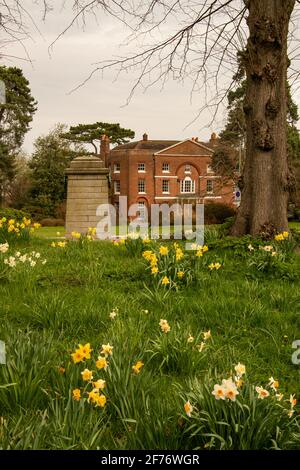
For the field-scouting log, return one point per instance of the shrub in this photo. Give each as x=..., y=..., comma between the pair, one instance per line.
x=217, y=213
x=50, y=222
x=14, y=214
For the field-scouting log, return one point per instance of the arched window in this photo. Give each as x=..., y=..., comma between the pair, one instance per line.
x=187, y=185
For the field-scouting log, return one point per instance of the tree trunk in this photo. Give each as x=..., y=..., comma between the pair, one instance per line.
x=265, y=181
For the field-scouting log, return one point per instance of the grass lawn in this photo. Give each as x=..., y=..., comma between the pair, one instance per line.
x=47, y=310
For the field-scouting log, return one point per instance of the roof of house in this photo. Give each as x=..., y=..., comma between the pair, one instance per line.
x=156, y=145
x=147, y=145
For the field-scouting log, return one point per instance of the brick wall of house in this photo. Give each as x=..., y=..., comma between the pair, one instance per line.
x=187, y=160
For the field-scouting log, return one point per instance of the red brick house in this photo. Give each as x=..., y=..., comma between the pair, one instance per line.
x=165, y=171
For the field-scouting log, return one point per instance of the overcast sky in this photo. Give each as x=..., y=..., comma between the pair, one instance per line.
x=163, y=114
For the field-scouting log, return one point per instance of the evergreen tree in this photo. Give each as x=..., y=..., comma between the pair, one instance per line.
x=17, y=108
x=91, y=134
x=52, y=155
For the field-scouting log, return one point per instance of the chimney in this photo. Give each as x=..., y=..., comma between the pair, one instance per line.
x=213, y=138
x=145, y=137
x=104, y=148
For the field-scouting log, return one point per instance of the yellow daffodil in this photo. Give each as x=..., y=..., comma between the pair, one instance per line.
x=137, y=367
x=101, y=363
x=164, y=250
x=179, y=254
x=154, y=270
x=180, y=274
x=76, y=394
x=165, y=281
x=147, y=255
x=279, y=237
x=87, y=375
x=85, y=350
x=77, y=356
x=93, y=396
x=75, y=235
x=285, y=234
x=99, y=384
x=101, y=401
x=190, y=339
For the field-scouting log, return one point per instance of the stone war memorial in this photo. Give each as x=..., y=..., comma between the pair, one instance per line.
x=87, y=189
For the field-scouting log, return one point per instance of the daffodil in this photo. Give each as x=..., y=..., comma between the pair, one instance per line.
x=101, y=363
x=75, y=235
x=188, y=408
x=262, y=393
x=87, y=375
x=137, y=367
x=99, y=384
x=113, y=313
x=201, y=346
x=165, y=281
x=230, y=389
x=274, y=384
x=76, y=394
x=164, y=250
x=240, y=369
x=77, y=356
x=101, y=401
x=293, y=400
x=154, y=270
x=85, y=350
x=219, y=392
x=190, y=339
x=107, y=350
x=180, y=274
x=164, y=325
x=4, y=248
x=206, y=335
x=279, y=237
x=179, y=254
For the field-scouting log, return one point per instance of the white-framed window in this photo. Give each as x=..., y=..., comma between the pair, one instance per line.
x=165, y=186
x=187, y=169
x=117, y=186
x=209, y=169
x=209, y=186
x=141, y=186
x=141, y=209
x=117, y=167
x=187, y=185
x=141, y=167
x=166, y=167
